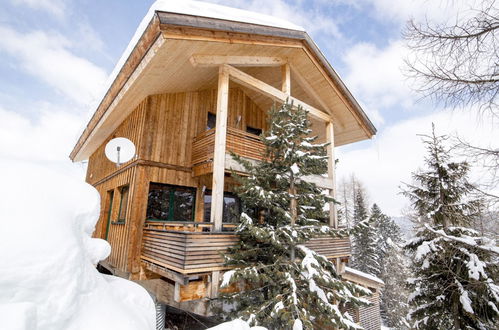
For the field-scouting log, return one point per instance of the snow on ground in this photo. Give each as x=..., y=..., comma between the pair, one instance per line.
x=236, y=324
x=48, y=278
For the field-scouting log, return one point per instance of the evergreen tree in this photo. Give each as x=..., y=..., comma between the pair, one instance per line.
x=284, y=284
x=365, y=255
x=394, y=273
x=454, y=268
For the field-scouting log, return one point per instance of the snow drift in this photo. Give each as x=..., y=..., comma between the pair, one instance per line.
x=48, y=278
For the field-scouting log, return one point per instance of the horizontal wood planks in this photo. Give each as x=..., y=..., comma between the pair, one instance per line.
x=191, y=252
x=186, y=252
x=239, y=142
x=330, y=247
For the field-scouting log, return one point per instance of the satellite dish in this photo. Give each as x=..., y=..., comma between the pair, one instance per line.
x=120, y=150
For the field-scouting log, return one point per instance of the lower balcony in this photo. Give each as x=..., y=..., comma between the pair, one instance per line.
x=194, y=251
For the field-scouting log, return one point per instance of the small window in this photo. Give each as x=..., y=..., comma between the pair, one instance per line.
x=123, y=204
x=212, y=121
x=170, y=203
x=253, y=130
x=231, y=210
x=109, y=207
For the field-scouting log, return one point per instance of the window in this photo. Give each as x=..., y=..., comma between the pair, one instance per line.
x=212, y=121
x=253, y=130
x=110, y=197
x=123, y=204
x=170, y=203
x=231, y=211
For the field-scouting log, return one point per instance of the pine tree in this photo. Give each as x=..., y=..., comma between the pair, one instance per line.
x=284, y=284
x=364, y=241
x=454, y=268
x=394, y=295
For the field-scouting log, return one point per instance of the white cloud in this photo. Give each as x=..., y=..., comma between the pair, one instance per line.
x=54, y=7
x=48, y=57
x=376, y=75
x=397, y=151
x=50, y=138
x=308, y=14
x=401, y=11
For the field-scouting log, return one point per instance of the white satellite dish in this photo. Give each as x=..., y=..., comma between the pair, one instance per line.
x=120, y=150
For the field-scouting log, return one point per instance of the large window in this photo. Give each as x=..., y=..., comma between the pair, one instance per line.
x=232, y=207
x=170, y=203
x=123, y=204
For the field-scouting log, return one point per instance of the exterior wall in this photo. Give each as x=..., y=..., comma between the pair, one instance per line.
x=370, y=317
x=162, y=128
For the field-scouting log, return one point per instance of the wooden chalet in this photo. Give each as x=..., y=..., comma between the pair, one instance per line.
x=192, y=89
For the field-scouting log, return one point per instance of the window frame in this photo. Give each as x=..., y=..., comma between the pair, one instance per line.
x=171, y=203
x=227, y=194
x=119, y=219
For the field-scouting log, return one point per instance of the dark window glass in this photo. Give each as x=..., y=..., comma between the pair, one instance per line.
x=231, y=210
x=123, y=203
x=183, y=205
x=212, y=121
x=253, y=130
x=172, y=203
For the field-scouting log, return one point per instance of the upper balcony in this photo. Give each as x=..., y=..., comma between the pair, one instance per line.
x=239, y=142
x=244, y=144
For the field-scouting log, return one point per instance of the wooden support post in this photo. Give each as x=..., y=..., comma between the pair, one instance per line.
x=286, y=79
x=217, y=195
x=214, y=285
x=199, y=204
x=333, y=218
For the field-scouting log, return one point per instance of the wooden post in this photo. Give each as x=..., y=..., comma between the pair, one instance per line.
x=333, y=219
x=286, y=79
x=214, y=285
x=217, y=195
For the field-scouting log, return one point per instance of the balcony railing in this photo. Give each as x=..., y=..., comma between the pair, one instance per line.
x=192, y=251
x=244, y=144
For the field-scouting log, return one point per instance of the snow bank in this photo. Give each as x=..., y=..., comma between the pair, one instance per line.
x=236, y=324
x=47, y=275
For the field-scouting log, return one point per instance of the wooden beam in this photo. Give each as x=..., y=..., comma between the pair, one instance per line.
x=310, y=91
x=217, y=197
x=286, y=79
x=333, y=216
x=215, y=284
x=272, y=92
x=217, y=60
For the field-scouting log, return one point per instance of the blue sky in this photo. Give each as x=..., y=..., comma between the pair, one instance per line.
x=55, y=56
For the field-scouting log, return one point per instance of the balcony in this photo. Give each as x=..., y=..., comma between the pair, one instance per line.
x=244, y=144
x=193, y=251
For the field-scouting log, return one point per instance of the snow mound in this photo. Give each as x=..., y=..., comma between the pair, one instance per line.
x=48, y=278
x=236, y=324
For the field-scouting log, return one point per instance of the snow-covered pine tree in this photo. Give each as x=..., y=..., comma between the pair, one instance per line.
x=454, y=268
x=365, y=240
x=386, y=231
x=279, y=290
x=394, y=273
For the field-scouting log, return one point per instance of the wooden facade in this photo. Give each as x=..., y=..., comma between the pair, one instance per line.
x=187, y=97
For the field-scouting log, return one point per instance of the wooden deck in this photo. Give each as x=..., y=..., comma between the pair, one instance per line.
x=196, y=251
x=244, y=144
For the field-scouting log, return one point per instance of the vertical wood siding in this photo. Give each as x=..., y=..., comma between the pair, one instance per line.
x=162, y=128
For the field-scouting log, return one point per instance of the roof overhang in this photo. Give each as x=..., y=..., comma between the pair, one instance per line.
x=171, y=40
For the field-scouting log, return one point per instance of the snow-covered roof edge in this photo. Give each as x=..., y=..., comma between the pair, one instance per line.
x=197, y=8
x=364, y=275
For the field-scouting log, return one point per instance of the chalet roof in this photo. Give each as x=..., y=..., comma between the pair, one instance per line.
x=174, y=31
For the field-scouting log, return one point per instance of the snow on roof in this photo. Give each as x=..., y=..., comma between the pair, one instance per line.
x=197, y=8
x=364, y=275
